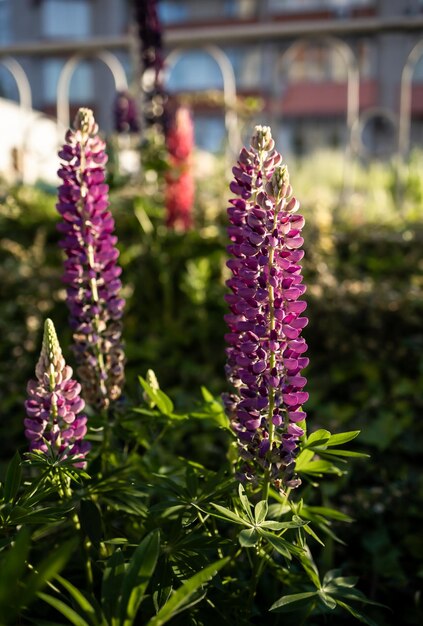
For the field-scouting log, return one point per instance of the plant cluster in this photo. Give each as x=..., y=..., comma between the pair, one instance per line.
x=108, y=520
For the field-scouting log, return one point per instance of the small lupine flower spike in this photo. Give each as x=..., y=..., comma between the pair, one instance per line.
x=55, y=424
x=266, y=351
x=91, y=271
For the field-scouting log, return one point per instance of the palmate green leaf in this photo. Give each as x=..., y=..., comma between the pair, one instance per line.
x=214, y=410
x=298, y=599
x=281, y=545
x=310, y=568
x=326, y=512
x=111, y=587
x=64, y=609
x=185, y=596
x=327, y=599
x=333, y=577
x=357, y=614
x=311, y=532
x=341, y=438
x=317, y=438
x=12, y=569
x=48, y=569
x=248, y=537
x=159, y=398
x=140, y=569
x=260, y=511
x=318, y=468
x=88, y=609
x=227, y=514
x=294, y=523
x=13, y=478
x=303, y=459
x=245, y=502
x=340, y=454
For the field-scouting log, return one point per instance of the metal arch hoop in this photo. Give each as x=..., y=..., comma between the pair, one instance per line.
x=357, y=141
x=229, y=86
x=405, y=98
x=21, y=80
x=109, y=59
x=353, y=76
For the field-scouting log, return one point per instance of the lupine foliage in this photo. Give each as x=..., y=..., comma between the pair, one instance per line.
x=112, y=511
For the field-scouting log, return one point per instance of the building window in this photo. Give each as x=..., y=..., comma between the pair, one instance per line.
x=81, y=85
x=316, y=64
x=296, y=6
x=195, y=70
x=65, y=18
x=246, y=62
x=176, y=11
x=4, y=22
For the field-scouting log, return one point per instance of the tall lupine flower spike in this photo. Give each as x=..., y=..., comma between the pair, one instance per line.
x=91, y=271
x=265, y=353
x=55, y=423
x=179, y=194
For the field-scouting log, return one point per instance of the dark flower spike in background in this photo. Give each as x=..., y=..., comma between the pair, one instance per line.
x=265, y=353
x=55, y=424
x=91, y=270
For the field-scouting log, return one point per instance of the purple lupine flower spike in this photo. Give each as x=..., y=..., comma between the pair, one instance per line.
x=55, y=423
x=91, y=270
x=265, y=353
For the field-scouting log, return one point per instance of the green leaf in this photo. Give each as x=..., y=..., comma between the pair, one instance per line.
x=311, y=532
x=91, y=523
x=245, y=502
x=333, y=578
x=318, y=438
x=13, y=478
x=248, y=537
x=332, y=454
x=281, y=545
x=207, y=396
x=341, y=438
x=13, y=566
x=80, y=599
x=165, y=404
x=327, y=600
x=295, y=598
x=227, y=514
x=310, y=568
x=64, y=609
x=272, y=525
x=111, y=586
x=326, y=512
x=157, y=398
x=182, y=597
x=357, y=614
x=318, y=468
x=303, y=459
x=48, y=569
x=260, y=511
x=140, y=569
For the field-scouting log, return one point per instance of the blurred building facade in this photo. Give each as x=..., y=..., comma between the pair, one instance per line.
x=288, y=53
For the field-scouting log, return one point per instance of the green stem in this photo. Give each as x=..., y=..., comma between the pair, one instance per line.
x=65, y=493
x=101, y=373
x=272, y=359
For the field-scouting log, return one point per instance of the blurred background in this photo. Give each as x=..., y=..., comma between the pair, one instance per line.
x=177, y=86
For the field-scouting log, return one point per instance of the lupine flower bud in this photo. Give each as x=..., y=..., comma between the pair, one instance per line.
x=265, y=353
x=55, y=423
x=91, y=271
